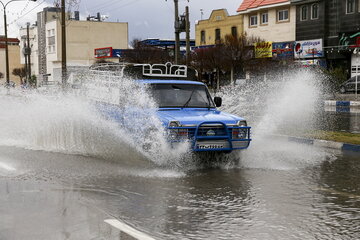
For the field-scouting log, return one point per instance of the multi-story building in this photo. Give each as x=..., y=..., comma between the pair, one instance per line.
x=337, y=23
x=211, y=31
x=14, y=58
x=269, y=20
x=82, y=37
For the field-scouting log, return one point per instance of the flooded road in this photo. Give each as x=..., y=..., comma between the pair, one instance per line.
x=64, y=170
x=270, y=194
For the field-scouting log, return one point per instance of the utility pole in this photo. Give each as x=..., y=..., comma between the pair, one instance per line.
x=177, y=32
x=187, y=36
x=63, y=45
x=26, y=61
x=6, y=51
x=28, y=53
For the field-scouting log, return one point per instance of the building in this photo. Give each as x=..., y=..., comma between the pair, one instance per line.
x=211, y=31
x=14, y=59
x=337, y=24
x=270, y=20
x=82, y=37
x=167, y=44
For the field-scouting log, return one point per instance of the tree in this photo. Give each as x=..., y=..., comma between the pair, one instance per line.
x=238, y=51
x=20, y=72
x=230, y=54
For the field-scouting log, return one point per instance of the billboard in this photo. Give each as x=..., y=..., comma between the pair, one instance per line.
x=263, y=50
x=309, y=49
x=103, y=52
x=283, y=50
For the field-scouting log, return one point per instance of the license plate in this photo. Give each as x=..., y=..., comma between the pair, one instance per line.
x=209, y=146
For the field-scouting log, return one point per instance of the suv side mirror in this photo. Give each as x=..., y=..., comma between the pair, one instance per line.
x=218, y=101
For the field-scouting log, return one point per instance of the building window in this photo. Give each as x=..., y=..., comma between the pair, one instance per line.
x=203, y=37
x=350, y=6
x=234, y=31
x=264, y=18
x=51, y=40
x=253, y=20
x=304, y=13
x=315, y=11
x=283, y=15
x=217, y=35
x=218, y=18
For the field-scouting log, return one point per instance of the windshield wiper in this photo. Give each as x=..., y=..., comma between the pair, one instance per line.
x=188, y=101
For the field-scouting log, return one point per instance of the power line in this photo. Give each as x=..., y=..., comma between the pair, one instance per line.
x=26, y=13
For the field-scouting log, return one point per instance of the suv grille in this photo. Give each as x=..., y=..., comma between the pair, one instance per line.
x=211, y=131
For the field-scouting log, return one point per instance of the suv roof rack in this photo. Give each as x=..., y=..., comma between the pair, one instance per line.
x=166, y=71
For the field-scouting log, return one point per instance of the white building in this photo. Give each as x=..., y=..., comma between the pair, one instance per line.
x=270, y=20
x=82, y=37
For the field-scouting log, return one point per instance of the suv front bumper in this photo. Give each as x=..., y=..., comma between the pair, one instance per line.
x=213, y=136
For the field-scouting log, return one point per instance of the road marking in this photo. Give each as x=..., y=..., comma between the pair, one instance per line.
x=6, y=167
x=128, y=230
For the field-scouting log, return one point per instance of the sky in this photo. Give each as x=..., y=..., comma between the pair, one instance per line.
x=146, y=18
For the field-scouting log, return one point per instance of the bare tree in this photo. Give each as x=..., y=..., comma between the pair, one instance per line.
x=20, y=72
x=238, y=51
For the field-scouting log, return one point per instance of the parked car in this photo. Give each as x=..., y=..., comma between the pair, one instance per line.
x=349, y=85
x=188, y=112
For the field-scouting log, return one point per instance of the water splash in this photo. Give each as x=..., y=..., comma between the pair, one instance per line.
x=276, y=107
x=69, y=122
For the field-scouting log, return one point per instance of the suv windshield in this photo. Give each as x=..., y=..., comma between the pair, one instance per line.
x=181, y=95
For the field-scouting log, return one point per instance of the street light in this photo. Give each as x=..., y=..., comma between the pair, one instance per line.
x=6, y=39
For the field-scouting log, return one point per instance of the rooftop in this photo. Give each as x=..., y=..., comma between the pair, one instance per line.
x=253, y=4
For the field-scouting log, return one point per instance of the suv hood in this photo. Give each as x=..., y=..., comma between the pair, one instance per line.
x=196, y=116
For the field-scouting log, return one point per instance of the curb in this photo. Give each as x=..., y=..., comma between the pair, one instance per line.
x=342, y=103
x=341, y=109
x=323, y=143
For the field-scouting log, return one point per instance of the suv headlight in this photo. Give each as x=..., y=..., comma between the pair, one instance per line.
x=239, y=133
x=179, y=134
x=174, y=124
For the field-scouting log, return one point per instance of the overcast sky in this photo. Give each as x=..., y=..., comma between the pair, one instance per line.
x=146, y=18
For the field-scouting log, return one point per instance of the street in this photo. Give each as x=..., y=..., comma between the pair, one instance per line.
x=290, y=191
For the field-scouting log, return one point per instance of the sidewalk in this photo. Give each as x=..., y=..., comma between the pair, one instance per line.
x=343, y=100
x=321, y=143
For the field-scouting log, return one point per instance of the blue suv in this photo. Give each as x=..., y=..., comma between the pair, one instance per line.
x=187, y=110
